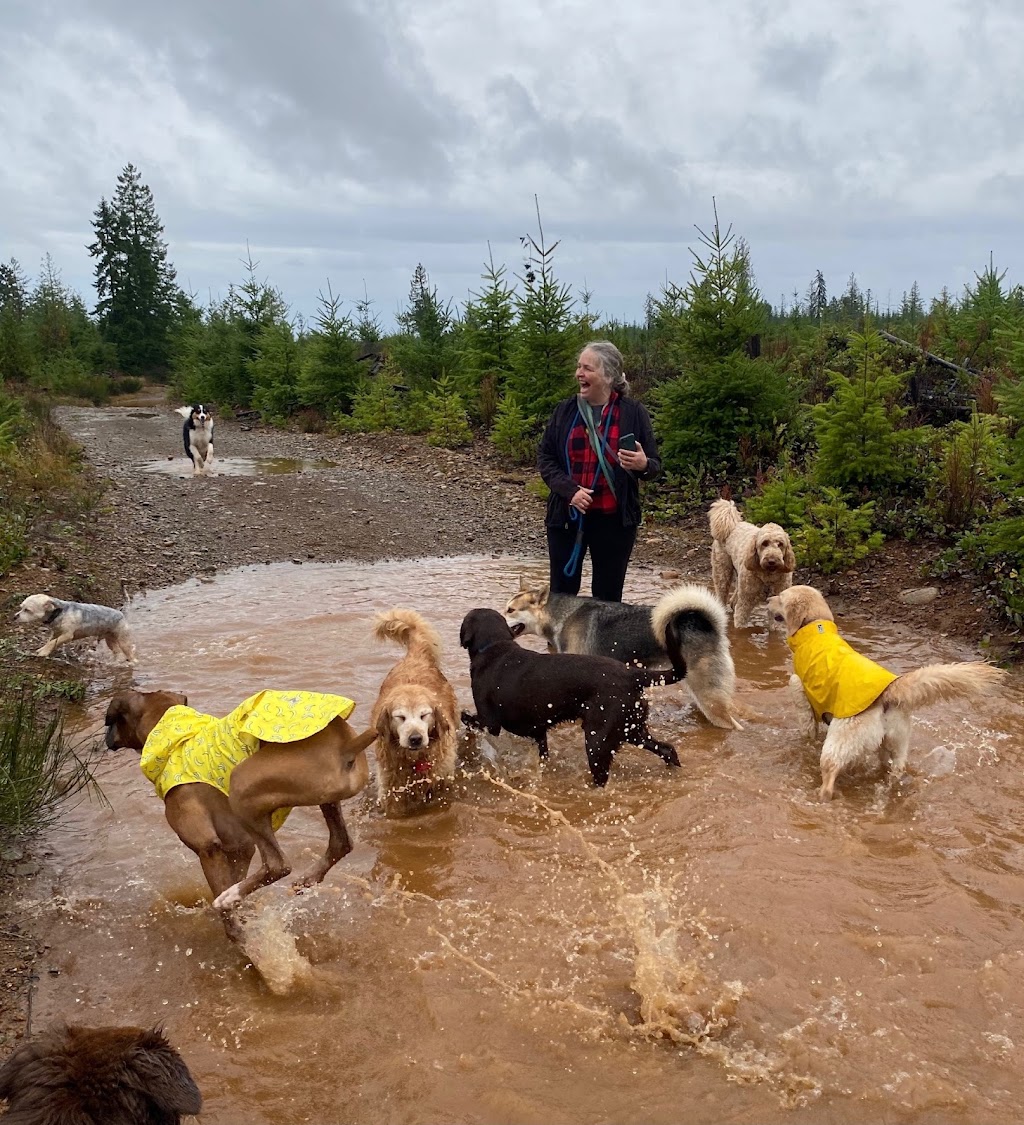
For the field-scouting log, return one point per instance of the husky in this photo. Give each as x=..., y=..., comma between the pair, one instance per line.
x=684, y=635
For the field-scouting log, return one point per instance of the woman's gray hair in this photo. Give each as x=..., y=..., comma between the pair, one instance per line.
x=610, y=358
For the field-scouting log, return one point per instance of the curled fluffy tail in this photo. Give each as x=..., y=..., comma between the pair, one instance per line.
x=724, y=517
x=408, y=628
x=936, y=682
x=686, y=608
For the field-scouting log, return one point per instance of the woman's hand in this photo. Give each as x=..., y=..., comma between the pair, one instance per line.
x=583, y=499
x=635, y=460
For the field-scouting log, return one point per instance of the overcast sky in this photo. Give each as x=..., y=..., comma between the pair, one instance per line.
x=346, y=141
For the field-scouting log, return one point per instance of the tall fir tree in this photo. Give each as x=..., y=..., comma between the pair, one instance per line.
x=548, y=336
x=330, y=368
x=423, y=351
x=487, y=337
x=857, y=446
x=15, y=349
x=135, y=283
x=255, y=306
x=817, y=297
x=725, y=408
x=367, y=325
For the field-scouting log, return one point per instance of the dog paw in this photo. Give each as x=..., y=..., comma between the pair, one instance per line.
x=229, y=898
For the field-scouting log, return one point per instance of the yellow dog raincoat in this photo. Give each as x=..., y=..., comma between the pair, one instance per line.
x=836, y=679
x=188, y=746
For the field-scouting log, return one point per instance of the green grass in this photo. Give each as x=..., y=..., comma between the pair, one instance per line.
x=40, y=766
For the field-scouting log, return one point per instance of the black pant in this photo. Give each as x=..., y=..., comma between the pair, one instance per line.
x=610, y=545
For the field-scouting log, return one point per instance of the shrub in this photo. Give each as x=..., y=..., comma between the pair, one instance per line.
x=512, y=434
x=446, y=412
x=996, y=554
x=678, y=494
x=971, y=456
x=376, y=408
x=125, y=384
x=835, y=535
x=783, y=500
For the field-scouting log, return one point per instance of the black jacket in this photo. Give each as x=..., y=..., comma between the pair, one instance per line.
x=633, y=418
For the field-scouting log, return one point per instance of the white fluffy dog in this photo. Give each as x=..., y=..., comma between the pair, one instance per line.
x=868, y=708
x=749, y=564
x=75, y=621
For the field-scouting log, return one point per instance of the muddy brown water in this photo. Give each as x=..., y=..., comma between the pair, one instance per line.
x=236, y=466
x=707, y=944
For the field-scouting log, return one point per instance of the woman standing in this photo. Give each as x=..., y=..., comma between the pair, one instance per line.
x=596, y=447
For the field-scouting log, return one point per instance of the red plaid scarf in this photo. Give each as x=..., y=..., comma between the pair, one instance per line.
x=583, y=463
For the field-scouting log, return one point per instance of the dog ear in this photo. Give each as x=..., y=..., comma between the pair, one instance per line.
x=544, y=593
x=748, y=557
x=184, y=411
x=788, y=555
x=382, y=728
x=159, y=1072
x=441, y=724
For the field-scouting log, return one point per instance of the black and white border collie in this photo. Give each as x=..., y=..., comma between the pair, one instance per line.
x=198, y=436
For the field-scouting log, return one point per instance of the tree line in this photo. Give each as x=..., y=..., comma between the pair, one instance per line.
x=845, y=422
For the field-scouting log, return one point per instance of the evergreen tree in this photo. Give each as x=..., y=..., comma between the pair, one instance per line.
x=984, y=310
x=368, y=329
x=512, y=434
x=856, y=427
x=548, y=337
x=49, y=313
x=817, y=297
x=254, y=307
x=487, y=341
x=135, y=283
x=423, y=352
x=15, y=350
x=446, y=413
x=851, y=303
x=275, y=372
x=376, y=407
x=330, y=370
x=912, y=309
x=725, y=408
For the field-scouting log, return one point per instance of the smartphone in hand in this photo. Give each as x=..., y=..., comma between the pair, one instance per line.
x=628, y=441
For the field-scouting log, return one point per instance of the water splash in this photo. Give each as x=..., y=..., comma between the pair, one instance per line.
x=271, y=946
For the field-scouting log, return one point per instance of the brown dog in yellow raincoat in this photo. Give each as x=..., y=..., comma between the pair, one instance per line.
x=228, y=784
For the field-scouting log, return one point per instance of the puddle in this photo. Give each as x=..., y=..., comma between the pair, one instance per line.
x=238, y=466
x=710, y=938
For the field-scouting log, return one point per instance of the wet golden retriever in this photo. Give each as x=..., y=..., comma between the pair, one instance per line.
x=869, y=710
x=415, y=717
x=749, y=564
x=89, y=1075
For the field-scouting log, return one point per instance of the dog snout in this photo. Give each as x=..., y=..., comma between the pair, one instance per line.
x=111, y=739
x=416, y=741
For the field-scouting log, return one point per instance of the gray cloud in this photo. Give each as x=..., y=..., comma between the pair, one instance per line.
x=798, y=67
x=352, y=140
